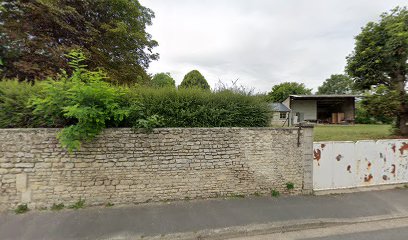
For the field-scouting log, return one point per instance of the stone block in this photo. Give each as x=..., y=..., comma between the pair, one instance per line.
x=42, y=165
x=6, y=165
x=26, y=196
x=21, y=182
x=60, y=188
x=24, y=165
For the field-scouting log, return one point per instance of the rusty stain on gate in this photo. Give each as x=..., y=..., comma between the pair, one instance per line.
x=363, y=163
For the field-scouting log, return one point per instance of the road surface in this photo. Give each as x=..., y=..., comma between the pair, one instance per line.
x=396, y=229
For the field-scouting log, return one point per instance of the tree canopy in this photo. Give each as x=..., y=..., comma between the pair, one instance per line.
x=160, y=80
x=382, y=104
x=194, y=79
x=282, y=91
x=336, y=84
x=36, y=35
x=380, y=58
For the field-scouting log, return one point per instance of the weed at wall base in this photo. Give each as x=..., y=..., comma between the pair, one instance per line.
x=22, y=208
x=257, y=194
x=275, y=193
x=235, y=195
x=79, y=204
x=57, y=207
x=290, y=185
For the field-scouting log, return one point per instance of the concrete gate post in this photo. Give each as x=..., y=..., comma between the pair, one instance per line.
x=307, y=159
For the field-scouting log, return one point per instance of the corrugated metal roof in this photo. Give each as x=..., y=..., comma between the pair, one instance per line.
x=325, y=96
x=279, y=107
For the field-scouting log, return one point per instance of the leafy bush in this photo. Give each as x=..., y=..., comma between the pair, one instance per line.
x=149, y=123
x=382, y=104
x=15, y=110
x=199, y=108
x=84, y=101
x=362, y=116
x=379, y=106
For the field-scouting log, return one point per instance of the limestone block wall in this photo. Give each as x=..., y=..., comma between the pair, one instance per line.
x=124, y=167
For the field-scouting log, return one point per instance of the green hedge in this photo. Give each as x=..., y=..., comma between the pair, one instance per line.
x=15, y=105
x=200, y=108
x=85, y=108
x=83, y=103
x=176, y=108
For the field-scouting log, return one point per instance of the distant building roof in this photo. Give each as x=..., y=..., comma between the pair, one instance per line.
x=321, y=97
x=279, y=107
x=325, y=96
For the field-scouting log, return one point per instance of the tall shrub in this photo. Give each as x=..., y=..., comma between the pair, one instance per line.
x=85, y=100
x=194, y=79
x=161, y=80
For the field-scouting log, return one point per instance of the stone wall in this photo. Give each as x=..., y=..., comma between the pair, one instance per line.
x=124, y=167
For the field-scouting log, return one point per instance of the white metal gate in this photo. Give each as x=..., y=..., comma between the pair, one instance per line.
x=363, y=163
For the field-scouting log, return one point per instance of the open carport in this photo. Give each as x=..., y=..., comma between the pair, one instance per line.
x=322, y=108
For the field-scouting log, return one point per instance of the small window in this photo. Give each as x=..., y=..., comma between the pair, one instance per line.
x=282, y=115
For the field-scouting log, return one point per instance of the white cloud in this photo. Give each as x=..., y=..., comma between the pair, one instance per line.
x=261, y=42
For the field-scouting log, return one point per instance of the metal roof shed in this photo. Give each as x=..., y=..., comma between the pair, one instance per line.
x=322, y=108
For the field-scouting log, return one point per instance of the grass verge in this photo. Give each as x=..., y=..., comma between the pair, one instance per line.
x=352, y=132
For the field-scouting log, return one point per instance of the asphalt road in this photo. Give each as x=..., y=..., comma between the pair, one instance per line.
x=395, y=229
x=191, y=216
x=389, y=234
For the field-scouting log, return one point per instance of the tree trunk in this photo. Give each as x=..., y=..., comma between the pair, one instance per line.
x=402, y=122
x=402, y=117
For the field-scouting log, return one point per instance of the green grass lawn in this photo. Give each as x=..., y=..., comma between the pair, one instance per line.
x=352, y=132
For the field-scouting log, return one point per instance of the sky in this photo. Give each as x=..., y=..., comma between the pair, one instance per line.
x=259, y=42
